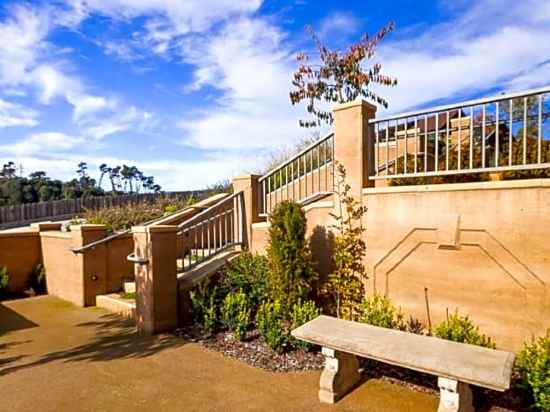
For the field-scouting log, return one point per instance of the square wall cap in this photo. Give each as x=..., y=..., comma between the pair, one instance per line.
x=155, y=229
x=88, y=228
x=356, y=103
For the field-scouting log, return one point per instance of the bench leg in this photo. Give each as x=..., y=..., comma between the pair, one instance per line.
x=341, y=373
x=454, y=396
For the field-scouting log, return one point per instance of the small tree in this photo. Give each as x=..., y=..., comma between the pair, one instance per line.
x=291, y=272
x=339, y=78
x=346, y=283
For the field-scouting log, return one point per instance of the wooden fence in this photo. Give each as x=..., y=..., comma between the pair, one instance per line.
x=24, y=214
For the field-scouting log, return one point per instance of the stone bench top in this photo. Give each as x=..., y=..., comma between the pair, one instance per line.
x=458, y=361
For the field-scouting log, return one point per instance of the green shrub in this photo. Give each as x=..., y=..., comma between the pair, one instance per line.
x=4, y=280
x=169, y=209
x=533, y=363
x=131, y=214
x=37, y=279
x=247, y=273
x=378, y=310
x=461, y=329
x=270, y=320
x=345, y=287
x=204, y=299
x=301, y=314
x=235, y=314
x=291, y=272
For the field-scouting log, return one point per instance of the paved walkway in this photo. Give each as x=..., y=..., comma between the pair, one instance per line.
x=57, y=357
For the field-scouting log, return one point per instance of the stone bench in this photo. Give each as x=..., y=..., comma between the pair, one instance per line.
x=456, y=365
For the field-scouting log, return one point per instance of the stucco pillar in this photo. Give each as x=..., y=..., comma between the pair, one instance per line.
x=249, y=185
x=155, y=258
x=354, y=142
x=91, y=265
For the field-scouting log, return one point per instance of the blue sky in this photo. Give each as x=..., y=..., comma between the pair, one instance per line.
x=195, y=91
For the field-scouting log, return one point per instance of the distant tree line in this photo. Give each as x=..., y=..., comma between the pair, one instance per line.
x=38, y=187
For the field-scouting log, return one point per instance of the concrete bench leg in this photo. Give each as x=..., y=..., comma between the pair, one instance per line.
x=341, y=373
x=454, y=396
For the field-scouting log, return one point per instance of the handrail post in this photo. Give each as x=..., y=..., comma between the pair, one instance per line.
x=354, y=143
x=250, y=213
x=155, y=269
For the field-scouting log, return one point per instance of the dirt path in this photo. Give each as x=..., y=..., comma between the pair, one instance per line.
x=57, y=357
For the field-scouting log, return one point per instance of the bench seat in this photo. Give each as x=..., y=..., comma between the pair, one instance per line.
x=456, y=364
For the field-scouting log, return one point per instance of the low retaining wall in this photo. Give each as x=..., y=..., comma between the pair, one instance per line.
x=20, y=253
x=479, y=248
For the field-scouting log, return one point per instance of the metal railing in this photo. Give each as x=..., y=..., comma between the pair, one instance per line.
x=212, y=231
x=503, y=133
x=308, y=173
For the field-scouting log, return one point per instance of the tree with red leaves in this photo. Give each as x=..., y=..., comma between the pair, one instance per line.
x=340, y=77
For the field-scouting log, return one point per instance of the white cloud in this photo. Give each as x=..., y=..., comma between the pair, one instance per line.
x=467, y=56
x=336, y=25
x=248, y=61
x=13, y=114
x=167, y=19
x=37, y=143
x=118, y=122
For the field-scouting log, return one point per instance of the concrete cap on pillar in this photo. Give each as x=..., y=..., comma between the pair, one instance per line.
x=354, y=103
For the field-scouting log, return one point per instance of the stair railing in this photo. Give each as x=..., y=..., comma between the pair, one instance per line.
x=212, y=231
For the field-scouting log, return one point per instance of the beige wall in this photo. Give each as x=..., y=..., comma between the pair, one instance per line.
x=481, y=248
x=63, y=278
x=20, y=253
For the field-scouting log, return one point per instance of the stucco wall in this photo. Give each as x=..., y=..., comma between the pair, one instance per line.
x=63, y=276
x=20, y=253
x=481, y=248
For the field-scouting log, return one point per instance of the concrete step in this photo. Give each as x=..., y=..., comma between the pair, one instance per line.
x=116, y=303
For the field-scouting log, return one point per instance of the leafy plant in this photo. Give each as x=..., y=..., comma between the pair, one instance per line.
x=247, y=273
x=345, y=286
x=340, y=78
x=378, y=310
x=125, y=216
x=169, y=209
x=301, y=314
x=271, y=324
x=235, y=314
x=291, y=272
x=4, y=280
x=461, y=329
x=37, y=279
x=204, y=299
x=533, y=363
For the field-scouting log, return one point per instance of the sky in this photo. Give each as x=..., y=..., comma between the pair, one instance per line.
x=196, y=91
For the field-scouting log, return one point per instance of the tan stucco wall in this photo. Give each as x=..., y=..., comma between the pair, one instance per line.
x=118, y=267
x=63, y=277
x=481, y=248
x=20, y=253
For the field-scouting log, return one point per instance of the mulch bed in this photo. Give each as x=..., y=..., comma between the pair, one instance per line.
x=255, y=352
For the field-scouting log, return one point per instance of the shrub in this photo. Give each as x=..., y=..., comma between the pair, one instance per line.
x=204, y=299
x=291, y=272
x=125, y=216
x=301, y=314
x=4, y=280
x=378, y=310
x=37, y=279
x=247, y=273
x=235, y=314
x=270, y=322
x=533, y=363
x=345, y=286
x=461, y=329
x=169, y=209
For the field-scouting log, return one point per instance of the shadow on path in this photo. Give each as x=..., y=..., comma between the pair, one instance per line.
x=115, y=338
x=12, y=321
